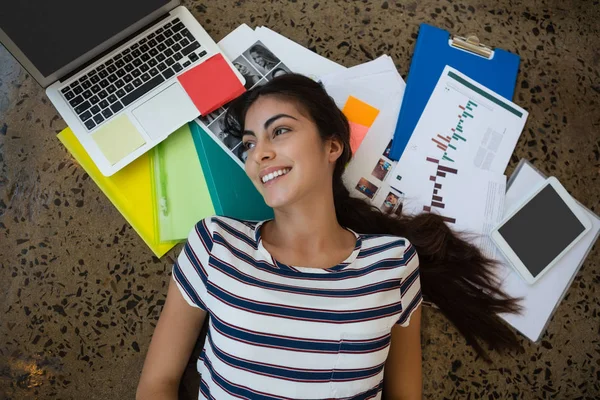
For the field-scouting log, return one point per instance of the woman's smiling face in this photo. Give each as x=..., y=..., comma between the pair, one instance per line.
x=286, y=158
x=258, y=59
x=242, y=69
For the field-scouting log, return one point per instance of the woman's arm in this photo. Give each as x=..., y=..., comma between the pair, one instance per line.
x=403, y=377
x=171, y=346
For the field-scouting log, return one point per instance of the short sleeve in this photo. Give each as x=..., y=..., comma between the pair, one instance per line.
x=190, y=271
x=410, y=287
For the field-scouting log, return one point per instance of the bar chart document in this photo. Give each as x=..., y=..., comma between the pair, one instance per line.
x=454, y=162
x=466, y=124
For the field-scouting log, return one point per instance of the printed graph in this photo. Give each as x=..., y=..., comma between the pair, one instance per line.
x=448, y=143
x=437, y=200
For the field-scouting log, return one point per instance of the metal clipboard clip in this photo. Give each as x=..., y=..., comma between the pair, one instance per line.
x=473, y=45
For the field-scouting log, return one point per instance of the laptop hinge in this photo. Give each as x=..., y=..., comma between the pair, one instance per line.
x=104, y=53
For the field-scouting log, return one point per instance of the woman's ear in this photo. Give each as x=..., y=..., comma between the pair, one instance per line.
x=336, y=148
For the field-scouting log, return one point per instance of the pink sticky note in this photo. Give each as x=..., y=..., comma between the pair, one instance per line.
x=357, y=134
x=211, y=84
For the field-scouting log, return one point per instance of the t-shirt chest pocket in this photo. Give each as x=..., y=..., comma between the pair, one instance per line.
x=360, y=362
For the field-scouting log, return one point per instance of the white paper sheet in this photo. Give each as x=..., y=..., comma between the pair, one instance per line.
x=377, y=83
x=540, y=299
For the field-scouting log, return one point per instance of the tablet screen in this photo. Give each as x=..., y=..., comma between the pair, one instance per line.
x=541, y=230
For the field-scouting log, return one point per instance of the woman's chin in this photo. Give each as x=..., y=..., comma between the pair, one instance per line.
x=278, y=197
x=277, y=201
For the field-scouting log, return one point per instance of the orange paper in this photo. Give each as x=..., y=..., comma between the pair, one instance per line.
x=357, y=134
x=211, y=84
x=360, y=112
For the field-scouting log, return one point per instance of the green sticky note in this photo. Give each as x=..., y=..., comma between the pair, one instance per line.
x=182, y=196
x=118, y=138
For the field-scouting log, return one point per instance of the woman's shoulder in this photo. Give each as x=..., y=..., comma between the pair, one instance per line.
x=219, y=229
x=376, y=239
x=219, y=224
x=386, y=245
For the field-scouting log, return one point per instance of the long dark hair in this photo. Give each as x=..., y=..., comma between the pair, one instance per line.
x=455, y=275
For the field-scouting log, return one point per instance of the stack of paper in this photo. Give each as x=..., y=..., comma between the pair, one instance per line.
x=370, y=94
x=541, y=299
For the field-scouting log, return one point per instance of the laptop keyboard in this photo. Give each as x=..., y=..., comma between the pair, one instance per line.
x=104, y=91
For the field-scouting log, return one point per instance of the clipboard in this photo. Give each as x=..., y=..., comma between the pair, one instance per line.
x=494, y=68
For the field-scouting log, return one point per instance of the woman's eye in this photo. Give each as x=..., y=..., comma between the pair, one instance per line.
x=280, y=131
x=249, y=145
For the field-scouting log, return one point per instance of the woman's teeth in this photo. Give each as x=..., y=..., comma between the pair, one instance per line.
x=275, y=174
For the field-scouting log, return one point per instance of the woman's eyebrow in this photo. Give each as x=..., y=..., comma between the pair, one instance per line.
x=269, y=122
x=275, y=118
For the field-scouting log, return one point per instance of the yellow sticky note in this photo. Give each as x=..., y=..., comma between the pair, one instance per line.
x=360, y=112
x=118, y=138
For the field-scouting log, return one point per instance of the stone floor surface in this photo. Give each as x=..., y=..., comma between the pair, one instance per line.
x=80, y=293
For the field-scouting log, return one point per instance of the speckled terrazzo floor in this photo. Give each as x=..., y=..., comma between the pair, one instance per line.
x=80, y=292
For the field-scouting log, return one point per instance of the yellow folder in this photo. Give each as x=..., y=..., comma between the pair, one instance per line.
x=130, y=190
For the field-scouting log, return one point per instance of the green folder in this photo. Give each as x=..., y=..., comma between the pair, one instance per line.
x=181, y=194
x=232, y=192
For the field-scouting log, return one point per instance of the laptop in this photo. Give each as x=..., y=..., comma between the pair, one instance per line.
x=110, y=68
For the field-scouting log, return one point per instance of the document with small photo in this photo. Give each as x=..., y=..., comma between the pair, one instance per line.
x=375, y=189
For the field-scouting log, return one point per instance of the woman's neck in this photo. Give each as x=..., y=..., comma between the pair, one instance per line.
x=309, y=227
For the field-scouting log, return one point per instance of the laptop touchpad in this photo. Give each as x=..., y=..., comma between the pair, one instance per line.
x=166, y=112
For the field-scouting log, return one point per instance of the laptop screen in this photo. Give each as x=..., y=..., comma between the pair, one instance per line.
x=54, y=33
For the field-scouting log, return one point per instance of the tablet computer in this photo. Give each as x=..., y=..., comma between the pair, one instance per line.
x=541, y=230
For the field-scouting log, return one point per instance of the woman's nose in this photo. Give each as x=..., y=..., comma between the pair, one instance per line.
x=263, y=151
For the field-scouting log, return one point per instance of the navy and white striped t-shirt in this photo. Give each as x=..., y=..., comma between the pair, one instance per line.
x=283, y=332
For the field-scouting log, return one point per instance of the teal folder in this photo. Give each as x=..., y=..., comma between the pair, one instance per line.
x=232, y=192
